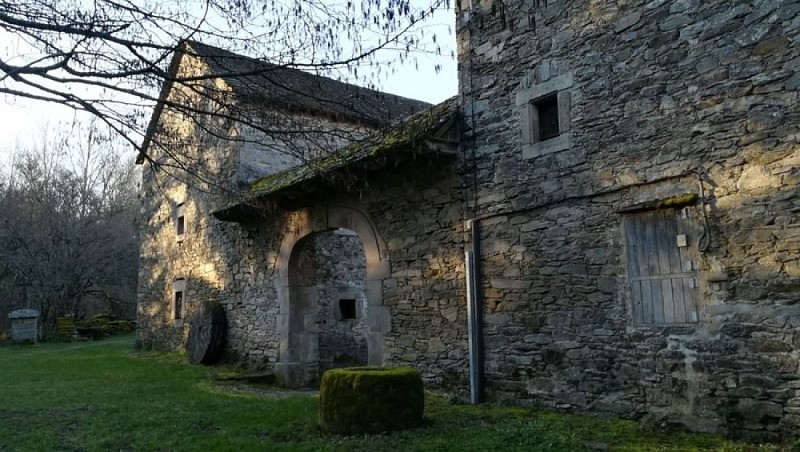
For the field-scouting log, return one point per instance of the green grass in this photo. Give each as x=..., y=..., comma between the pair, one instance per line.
x=103, y=396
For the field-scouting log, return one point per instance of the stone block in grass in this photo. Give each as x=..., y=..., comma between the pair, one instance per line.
x=370, y=400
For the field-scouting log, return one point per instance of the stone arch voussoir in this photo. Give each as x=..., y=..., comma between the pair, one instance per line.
x=296, y=366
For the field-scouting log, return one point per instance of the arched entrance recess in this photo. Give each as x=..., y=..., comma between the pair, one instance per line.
x=298, y=355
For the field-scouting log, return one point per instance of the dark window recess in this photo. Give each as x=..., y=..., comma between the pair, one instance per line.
x=548, y=117
x=181, y=225
x=347, y=309
x=178, y=305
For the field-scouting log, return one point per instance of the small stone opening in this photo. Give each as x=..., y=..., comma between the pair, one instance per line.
x=547, y=108
x=178, y=305
x=178, y=298
x=347, y=309
x=180, y=222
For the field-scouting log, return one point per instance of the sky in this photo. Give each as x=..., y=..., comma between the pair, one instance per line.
x=22, y=120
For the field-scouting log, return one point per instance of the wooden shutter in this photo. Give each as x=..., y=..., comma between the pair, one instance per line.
x=661, y=273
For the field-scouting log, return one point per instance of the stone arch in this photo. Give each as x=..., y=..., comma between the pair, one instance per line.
x=297, y=359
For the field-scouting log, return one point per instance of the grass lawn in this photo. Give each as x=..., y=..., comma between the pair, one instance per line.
x=104, y=396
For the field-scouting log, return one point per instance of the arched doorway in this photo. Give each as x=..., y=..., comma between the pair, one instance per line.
x=325, y=321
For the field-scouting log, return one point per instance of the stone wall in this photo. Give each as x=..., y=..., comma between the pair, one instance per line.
x=420, y=219
x=655, y=90
x=261, y=155
x=237, y=265
x=341, y=274
x=415, y=212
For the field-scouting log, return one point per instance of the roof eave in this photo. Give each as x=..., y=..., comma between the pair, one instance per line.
x=172, y=73
x=298, y=192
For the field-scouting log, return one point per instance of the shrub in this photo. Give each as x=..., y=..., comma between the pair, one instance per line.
x=370, y=399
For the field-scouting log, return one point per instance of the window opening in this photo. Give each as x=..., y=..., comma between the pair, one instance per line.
x=178, y=298
x=178, y=305
x=547, y=109
x=347, y=309
x=180, y=221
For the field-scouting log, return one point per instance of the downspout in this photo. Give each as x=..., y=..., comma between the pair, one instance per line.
x=472, y=252
x=474, y=314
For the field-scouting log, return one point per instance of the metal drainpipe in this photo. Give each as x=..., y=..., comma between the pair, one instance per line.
x=474, y=314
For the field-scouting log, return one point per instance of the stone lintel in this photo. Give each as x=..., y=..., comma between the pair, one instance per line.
x=533, y=150
x=24, y=314
x=560, y=83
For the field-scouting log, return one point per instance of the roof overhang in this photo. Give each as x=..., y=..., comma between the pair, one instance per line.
x=430, y=137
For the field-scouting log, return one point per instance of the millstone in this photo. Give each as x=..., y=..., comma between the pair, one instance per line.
x=206, y=334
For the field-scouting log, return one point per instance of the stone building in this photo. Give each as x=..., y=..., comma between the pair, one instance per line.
x=634, y=170
x=313, y=269
x=623, y=176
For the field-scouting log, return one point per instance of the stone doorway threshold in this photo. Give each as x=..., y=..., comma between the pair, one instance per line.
x=260, y=384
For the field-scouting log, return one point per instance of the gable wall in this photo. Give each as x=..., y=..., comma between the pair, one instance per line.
x=297, y=138
x=222, y=262
x=657, y=89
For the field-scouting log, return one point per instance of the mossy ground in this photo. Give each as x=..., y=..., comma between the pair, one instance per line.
x=100, y=396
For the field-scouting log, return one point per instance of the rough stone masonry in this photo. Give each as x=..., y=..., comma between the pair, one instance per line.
x=652, y=97
x=632, y=168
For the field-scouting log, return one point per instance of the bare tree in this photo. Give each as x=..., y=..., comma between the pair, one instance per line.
x=67, y=230
x=109, y=57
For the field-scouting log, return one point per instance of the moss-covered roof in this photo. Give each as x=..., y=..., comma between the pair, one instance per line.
x=403, y=136
x=419, y=135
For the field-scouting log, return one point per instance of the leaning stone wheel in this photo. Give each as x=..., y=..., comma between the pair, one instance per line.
x=206, y=334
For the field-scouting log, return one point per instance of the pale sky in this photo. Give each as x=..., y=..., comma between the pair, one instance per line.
x=22, y=119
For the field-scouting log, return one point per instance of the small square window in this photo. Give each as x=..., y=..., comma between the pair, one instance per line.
x=547, y=117
x=544, y=115
x=347, y=309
